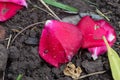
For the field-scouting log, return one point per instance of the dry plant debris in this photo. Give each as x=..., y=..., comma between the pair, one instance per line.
x=72, y=71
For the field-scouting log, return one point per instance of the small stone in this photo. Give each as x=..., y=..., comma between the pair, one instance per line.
x=31, y=41
x=93, y=15
x=76, y=18
x=71, y=19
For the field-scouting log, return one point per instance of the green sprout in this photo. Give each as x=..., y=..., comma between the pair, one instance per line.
x=19, y=77
x=60, y=5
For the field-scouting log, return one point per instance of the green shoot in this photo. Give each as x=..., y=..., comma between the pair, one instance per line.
x=60, y=5
x=19, y=77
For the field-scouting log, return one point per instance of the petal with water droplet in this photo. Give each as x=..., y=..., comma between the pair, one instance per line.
x=59, y=42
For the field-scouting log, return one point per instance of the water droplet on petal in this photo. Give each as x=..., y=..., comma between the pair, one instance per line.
x=45, y=51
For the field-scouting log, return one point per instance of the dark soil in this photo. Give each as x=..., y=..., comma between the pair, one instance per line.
x=23, y=57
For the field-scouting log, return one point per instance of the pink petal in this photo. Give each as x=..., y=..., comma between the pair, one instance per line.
x=92, y=34
x=19, y=2
x=111, y=37
x=59, y=42
x=9, y=8
x=96, y=51
x=111, y=34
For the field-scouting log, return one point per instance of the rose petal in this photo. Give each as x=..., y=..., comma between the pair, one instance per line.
x=92, y=33
x=96, y=51
x=19, y=2
x=111, y=34
x=59, y=42
x=111, y=38
x=9, y=8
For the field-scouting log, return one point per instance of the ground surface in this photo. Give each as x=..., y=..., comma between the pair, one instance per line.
x=23, y=57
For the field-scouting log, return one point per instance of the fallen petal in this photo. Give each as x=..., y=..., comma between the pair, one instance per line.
x=9, y=8
x=111, y=38
x=111, y=34
x=59, y=42
x=92, y=33
x=96, y=51
x=19, y=2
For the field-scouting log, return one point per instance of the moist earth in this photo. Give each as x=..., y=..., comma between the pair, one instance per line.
x=22, y=55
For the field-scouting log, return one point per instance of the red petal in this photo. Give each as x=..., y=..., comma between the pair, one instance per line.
x=7, y=10
x=111, y=34
x=92, y=33
x=59, y=42
x=96, y=51
x=19, y=2
x=111, y=38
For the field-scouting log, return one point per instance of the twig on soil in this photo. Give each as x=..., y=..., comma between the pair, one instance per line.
x=41, y=8
x=29, y=26
x=9, y=40
x=100, y=13
x=50, y=9
x=91, y=74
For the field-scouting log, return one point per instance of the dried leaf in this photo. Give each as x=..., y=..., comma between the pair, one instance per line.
x=72, y=71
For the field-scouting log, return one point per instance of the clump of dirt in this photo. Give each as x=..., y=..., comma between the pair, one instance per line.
x=23, y=57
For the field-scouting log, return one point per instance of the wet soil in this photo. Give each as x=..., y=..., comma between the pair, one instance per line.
x=23, y=57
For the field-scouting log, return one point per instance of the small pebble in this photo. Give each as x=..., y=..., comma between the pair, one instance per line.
x=71, y=19
x=31, y=41
x=93, y=15
x=76, y=18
